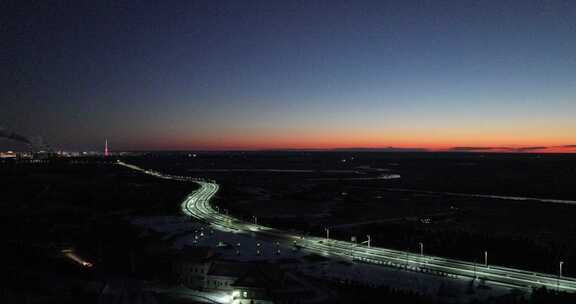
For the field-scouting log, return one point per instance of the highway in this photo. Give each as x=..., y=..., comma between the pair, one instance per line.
x=197, y=205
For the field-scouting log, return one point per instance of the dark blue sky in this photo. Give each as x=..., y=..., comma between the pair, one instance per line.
x=260, y=74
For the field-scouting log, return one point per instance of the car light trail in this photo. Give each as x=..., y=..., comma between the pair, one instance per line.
x=197, y=205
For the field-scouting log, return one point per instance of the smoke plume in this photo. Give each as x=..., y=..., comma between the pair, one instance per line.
x=5, y=133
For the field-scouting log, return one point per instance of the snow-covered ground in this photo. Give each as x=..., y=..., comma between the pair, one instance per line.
x=184, y=232
x=374, y=275
x=168, y=225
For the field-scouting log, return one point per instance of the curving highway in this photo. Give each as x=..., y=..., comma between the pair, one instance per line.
x=197, y=205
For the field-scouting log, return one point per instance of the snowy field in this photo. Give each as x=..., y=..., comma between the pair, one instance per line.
x=245, y=247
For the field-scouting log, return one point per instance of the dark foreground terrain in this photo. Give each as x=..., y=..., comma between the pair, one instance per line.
x=84, y=205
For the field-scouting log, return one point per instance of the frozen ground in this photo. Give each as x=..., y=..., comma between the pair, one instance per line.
x=445, y=288
x=183, y=232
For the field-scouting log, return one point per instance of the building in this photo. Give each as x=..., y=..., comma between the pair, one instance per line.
x=191, y=266
x=223, y=274
x=245, y=282
x=256, y=286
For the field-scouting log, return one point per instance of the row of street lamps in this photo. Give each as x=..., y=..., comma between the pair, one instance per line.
x=421, y=245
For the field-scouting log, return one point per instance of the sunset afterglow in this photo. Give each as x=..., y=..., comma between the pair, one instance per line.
x=295, y=75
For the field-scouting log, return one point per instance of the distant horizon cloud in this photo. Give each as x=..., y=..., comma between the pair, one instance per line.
x=464, y=149
x=384, y=149
x=509, y=149
x=522, y=149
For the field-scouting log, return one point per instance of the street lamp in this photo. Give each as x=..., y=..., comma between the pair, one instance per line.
x=327, y=233
x=485, y=258
x=406, y=260
x=421, y=249
x=559, y=275
x=474, y=269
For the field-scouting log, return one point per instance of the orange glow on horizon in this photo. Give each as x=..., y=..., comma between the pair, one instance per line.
x=265, y=143
x=512, y=139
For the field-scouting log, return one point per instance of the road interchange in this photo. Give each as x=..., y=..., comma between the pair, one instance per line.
x=197, y=205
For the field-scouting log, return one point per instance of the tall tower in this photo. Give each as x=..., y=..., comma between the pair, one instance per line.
x=106, y=148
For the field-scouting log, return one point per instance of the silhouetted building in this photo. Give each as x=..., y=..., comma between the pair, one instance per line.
x=246, y=282
x=191, y=266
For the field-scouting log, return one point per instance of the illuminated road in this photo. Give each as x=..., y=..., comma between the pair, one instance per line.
x=197, y=205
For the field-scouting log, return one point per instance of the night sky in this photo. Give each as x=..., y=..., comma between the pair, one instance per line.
x=167, y=75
